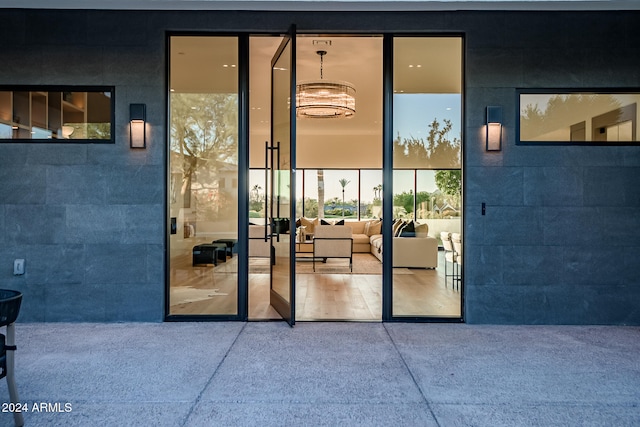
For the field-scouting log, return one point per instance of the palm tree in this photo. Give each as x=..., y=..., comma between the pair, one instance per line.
x=320, y=193
x=343, y=182
x=377, y=191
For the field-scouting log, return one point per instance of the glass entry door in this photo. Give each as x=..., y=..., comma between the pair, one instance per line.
x=282, y=191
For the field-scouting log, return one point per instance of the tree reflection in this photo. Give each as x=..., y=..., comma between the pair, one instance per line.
x=543, y=115
x=204, y=145
x=438, y=151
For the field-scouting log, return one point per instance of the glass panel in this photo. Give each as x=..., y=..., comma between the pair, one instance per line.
x=403, y=197
x=439, y=200
x=311, y=190
x=257, y=197
x=427, y=124
x=281, y=138
x=62, y=115
x=203, y=199
x=370, y=194
x=579, y=117
x=340, y=194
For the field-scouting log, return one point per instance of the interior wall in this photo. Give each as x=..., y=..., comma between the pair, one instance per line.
x=324, y=152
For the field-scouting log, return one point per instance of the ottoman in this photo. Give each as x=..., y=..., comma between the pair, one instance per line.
x=209, y=253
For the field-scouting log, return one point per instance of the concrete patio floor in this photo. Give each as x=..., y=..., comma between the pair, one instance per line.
x=326, y=374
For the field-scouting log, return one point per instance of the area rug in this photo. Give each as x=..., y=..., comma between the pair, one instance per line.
x=362, y=264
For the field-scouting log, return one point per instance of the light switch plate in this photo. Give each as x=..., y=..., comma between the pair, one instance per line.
x=18, y=267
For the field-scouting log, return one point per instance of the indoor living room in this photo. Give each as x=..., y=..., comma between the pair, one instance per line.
x=338, y=180
x=338, y=177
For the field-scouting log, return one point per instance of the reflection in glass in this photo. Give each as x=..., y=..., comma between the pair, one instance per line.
x=203, y=190
x=56, y=115
x=427, y=126
x=578, y=117
x=281, y=173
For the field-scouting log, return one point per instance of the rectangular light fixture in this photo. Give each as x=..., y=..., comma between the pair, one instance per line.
x=137, y=125
x=494, y=128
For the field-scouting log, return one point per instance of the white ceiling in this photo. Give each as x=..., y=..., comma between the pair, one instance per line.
x=421, y=65
x=326, y=5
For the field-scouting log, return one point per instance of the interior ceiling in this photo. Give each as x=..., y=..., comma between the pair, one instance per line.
x=421, y=65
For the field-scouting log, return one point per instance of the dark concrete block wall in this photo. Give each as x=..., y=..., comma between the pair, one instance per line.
x=87, y=218
x=558, y=243
x=560, y=234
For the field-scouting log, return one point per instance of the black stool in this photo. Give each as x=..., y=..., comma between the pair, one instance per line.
x=209, y=253
x=230, y=244
x=9, y=308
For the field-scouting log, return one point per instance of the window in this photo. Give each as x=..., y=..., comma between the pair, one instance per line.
x=57, y=114
x=427, y=149
x=578, y=117
x=203, y=162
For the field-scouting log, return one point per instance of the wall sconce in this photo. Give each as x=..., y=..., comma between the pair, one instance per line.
x=494, y=128
x=137, y=125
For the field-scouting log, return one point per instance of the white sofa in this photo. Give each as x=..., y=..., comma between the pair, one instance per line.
x=414, y=252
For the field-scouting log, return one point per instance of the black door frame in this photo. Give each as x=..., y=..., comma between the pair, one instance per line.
x=387, y=173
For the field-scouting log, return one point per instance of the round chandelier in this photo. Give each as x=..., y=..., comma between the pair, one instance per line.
x=324, y=99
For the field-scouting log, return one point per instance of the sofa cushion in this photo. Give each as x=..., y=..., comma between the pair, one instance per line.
x=360, y=239
x=357, y=226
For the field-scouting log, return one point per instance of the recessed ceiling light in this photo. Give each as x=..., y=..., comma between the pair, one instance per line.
x=419, y=66
x=226, y=65
x=410, y=65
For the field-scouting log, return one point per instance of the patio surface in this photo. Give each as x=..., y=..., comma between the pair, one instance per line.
x=326, y=374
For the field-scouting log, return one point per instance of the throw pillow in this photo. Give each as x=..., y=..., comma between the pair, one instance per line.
x=375, y=228
x=407, y=230
x=422, y=230
x=396, y=227
x=310, y=224
x=341, y=222
x=323, y=222
x=366, y=228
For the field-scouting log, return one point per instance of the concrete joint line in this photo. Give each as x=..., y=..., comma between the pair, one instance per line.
x=210, y=380
x=413, y=378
